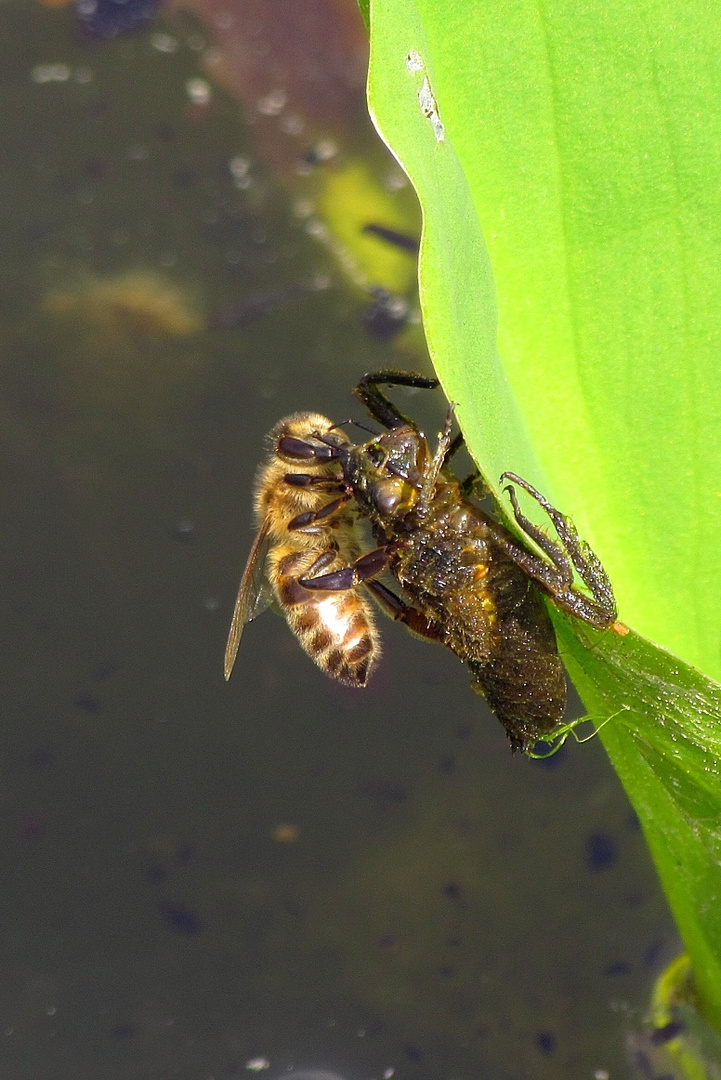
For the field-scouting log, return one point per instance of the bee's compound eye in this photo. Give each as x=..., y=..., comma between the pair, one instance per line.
x=392, y=496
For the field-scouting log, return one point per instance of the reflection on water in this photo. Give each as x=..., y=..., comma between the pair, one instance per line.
x=198, y=876
x=310, y=1074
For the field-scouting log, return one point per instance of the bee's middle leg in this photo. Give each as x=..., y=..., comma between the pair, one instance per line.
x=367, y=566
x=309, y=517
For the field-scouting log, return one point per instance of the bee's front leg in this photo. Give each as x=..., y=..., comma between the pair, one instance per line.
x=366, y=567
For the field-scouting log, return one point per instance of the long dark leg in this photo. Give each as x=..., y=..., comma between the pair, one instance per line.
x=558, y=555
x=455, y=445
x=598, y=609
x=366, y=567
x=331, y=483
x=418, y=623
x=378, y=405
x=431, y=476
x=584, y=559
x=309, y=517
x=323, y=560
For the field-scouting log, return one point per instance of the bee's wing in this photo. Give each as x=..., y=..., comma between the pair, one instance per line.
x=254, y=595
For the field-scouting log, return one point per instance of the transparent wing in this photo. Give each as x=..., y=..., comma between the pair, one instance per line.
x=254, y=595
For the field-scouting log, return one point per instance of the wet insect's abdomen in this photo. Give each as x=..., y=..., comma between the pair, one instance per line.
x=523, y=679
x=490, y=614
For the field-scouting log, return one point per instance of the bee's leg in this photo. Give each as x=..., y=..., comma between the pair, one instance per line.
x=297, y=479
x=376, y=402
x=366, y=567
x=309, y=517
x=323, y=560
x=598, y=609
x=304, y=450
x=418, y=623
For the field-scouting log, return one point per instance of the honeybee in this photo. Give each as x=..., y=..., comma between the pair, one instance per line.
x=465, y=580
x=306, y=527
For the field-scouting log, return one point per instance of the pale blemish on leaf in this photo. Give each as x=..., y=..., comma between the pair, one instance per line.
x=426, y=99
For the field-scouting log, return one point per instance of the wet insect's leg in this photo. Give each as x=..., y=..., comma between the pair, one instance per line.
x=474, y=484
x=456, y=444
x=418, y=623
x=366, y=567
x=598, y=609
x=444, y=444
x=302, y=521
x=556, y=554
x=384, y=411
x=583, y=558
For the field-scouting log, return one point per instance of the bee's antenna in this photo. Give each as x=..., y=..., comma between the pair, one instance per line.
x=355, y=423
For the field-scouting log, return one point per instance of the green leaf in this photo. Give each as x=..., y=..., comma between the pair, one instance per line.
x=567, y=160
x=663, y=736
x=364, y=6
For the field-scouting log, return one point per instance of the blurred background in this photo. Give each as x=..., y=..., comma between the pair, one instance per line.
x=200, y=234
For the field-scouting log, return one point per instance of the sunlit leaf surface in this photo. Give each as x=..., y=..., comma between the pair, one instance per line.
x=567, y=160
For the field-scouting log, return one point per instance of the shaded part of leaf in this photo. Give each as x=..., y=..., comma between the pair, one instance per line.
x=664, y=745
x=364, y=8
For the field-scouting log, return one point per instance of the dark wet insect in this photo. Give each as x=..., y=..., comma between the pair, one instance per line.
x=464, y=580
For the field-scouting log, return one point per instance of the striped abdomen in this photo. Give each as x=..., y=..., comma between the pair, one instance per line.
x=336, y=629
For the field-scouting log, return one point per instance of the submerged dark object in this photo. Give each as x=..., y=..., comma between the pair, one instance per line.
x=401, y=240
x=385, y=315
x=109, y=18
x=244, y=312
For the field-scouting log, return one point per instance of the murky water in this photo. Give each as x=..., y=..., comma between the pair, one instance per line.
x=202, y=880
